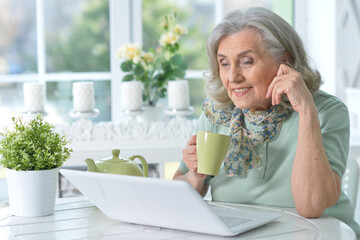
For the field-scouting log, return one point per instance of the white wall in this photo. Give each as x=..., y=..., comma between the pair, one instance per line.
x=330, y=30
x=319, y=36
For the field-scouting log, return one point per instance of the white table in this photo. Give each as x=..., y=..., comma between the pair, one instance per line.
x=77, y=218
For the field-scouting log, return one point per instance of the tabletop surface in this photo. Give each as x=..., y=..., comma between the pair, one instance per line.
x=78, y=218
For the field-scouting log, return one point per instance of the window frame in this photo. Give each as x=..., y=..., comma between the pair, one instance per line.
x=43, y=76
x=125, y=20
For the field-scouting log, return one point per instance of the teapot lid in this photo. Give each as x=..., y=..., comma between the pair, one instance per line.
x=115, y=157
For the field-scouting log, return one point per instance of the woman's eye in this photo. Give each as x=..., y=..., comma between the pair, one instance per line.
x=246, y=61
x=223, y=63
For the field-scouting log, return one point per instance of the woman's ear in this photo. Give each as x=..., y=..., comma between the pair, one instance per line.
x=286, y=58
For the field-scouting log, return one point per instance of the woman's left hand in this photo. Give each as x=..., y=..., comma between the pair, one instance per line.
x=313, y=190
x=290, y=82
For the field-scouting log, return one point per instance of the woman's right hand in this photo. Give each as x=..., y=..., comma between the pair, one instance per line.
x=194, y=178
x=191, y=160
x=190, y=155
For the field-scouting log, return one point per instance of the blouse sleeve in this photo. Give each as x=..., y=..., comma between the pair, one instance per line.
x=335, y=132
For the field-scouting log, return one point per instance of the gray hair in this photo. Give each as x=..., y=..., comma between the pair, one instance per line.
x=275, y=35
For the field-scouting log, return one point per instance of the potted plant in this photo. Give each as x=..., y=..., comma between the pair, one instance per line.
x=32, y=153
x=154, y=68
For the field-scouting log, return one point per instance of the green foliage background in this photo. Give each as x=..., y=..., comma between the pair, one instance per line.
x=193, y=45
x=87, y=47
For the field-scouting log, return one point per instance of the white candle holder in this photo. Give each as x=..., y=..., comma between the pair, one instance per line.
x=34, y=99
x=178, y=95
x=88, y=114
x=180, y=112
x=32, y=115
x=83, y=100
x=179, y=99
x=131, y=96
x=131, y=99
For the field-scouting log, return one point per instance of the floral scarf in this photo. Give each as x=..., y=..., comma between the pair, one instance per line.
x=241, y=156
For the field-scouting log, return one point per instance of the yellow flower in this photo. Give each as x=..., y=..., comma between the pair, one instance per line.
x=148, y=57
x=136, y=59
x=180, y=29
x=169, y=38
x=130, y=52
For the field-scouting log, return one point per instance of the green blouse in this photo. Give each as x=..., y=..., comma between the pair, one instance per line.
x=269, y=184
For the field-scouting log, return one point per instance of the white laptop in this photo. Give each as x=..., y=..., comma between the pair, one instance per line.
x=162, y=203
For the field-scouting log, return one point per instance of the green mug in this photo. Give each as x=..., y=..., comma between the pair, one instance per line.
x=211, y=150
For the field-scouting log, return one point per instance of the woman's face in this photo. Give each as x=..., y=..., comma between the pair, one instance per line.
x=246, y=70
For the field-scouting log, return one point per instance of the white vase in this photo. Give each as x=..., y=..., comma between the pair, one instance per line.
x=32, y=193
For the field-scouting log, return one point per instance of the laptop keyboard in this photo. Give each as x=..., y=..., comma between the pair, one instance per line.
x=234, y=221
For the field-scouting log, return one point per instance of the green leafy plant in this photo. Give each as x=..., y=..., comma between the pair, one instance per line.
x=32, y=145
x=155, y=67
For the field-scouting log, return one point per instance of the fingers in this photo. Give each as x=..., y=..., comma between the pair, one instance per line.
x=290, y=82
x=276, y=95
x=192, y=141
x=283, y=69
x=190, y=155
x=283, y=84
x=286, y=80
x=189, y=150
x=190, y=158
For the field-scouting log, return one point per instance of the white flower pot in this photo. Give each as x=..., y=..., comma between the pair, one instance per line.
x=32, y=193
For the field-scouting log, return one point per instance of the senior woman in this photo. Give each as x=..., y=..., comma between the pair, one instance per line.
x=289, y=140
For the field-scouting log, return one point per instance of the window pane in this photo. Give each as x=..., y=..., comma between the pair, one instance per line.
x=11, y=101
x=234, y=4
x=17, y=36
x=60, y=101
x=283, y=8
x=77, y=35
x=197, y=95
x=197, y=16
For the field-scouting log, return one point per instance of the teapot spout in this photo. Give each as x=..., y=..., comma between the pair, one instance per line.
x=91, y=165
